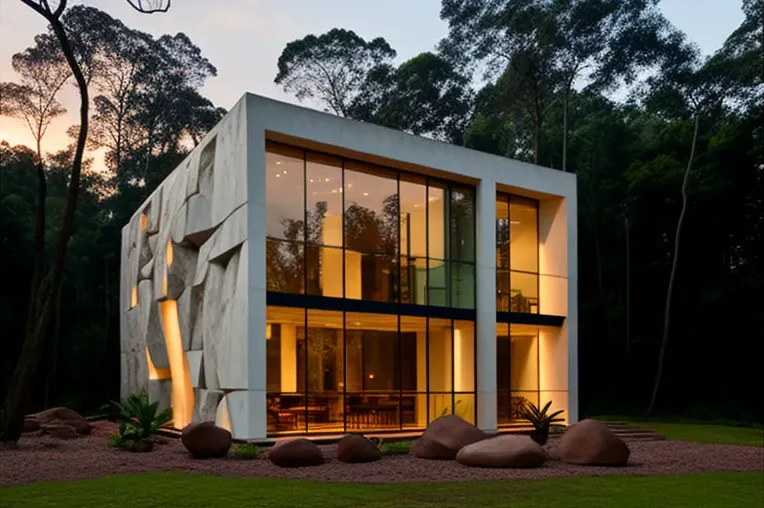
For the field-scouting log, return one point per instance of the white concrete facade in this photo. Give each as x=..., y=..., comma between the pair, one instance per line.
x=193, y=280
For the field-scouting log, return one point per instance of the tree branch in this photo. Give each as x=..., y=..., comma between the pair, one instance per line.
x=138, y=6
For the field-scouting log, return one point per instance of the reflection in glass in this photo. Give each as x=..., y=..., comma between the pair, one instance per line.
x=325, y=366
x=371, y=209
x=437, y=282
x=436, y=220
x=285, y=193
x=462, y=290
x=413, y=285
x=462, y=224
x=285, y=268
x=324, y=199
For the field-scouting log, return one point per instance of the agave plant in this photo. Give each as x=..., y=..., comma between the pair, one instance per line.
x=540, y=420
x=138, y=420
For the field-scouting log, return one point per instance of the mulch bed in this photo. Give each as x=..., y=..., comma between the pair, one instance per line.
x=39, y=458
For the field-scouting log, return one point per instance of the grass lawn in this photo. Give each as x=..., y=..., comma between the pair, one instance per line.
x=699, y=432
x=165, y=490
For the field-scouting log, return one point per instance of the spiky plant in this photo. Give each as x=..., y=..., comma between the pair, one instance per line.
x=138, y=421
x=540, y=420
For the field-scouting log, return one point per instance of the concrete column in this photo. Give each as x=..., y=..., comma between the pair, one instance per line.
x=486, y=304
x=249, y=407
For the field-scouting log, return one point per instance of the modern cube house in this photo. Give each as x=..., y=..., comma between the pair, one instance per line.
x=301, y=273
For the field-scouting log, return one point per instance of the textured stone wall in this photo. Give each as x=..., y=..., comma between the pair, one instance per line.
x=184, y=283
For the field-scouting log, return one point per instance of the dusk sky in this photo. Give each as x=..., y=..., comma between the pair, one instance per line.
x=244, y=38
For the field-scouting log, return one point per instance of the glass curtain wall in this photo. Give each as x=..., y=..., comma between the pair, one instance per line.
x=356, y=232
x=346, y=229
x=517, y=254
x=330, y=371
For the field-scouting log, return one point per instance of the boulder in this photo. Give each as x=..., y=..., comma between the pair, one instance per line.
x=354, y=448
x=206, y=440
x=502, y=451
x=58, y=416
x=31, y=424
x=445, y=436
x=59, y=431
x=296, y=453
x=591, y=443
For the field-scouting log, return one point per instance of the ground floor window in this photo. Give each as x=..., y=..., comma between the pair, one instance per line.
x=517, y=370
x=334, y=371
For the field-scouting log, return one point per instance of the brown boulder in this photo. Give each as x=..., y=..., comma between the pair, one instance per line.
x=354, y=448
x=502, y=451
x=206, y=440
x=445, y=436
x=58, y=431
x=590, y=442
x=296, y=453
x=30, y=424
x=63, y=416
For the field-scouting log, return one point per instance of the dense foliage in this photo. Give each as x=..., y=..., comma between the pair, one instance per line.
x=608, y=90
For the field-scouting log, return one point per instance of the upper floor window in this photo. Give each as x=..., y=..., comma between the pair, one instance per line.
x=348, y=229
x=517, y=254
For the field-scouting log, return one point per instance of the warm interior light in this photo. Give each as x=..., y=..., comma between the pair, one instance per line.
x=144, y=221
x=154, y=373
x=371, y=376
x=168, y=256
x=134, y=297
x=182, y=391
x=268, y=331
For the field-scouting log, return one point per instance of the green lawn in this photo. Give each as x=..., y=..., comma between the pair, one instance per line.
x=699, y=432
x=165, y=490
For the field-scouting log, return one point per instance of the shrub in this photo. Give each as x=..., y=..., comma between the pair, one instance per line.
x=245, y=451
x=540, y=420
x=395, y=448
x=138, y=421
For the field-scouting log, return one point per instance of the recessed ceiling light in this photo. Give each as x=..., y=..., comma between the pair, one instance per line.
x=416, y=206
x=278, y=175
x=311, y=180
x=285, y=171
x=365, y=193
x=278, y=163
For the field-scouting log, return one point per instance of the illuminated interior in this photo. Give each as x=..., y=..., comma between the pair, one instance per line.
x=346, y=231
x=331, y=371
x=134, y=297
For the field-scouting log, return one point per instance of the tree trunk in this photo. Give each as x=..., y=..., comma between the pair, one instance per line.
x=26, y=372
x=672, y=275
x=39, y=240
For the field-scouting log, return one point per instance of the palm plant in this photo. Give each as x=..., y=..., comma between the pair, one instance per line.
x=540, y=420
x=138, y=421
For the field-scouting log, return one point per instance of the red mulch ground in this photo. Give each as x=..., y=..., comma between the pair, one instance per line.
x=37, y=458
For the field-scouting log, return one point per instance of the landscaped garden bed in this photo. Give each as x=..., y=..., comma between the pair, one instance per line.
x=39, y=458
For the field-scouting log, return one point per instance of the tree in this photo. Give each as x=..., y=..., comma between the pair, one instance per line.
x=43, y=299
x=543, y=45
x=424, y=96
x=331, y=68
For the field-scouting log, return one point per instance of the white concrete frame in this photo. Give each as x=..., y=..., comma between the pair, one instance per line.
x=223, y=212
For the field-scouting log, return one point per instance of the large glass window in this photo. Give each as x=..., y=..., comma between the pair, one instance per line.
x=517, y=370
x=330, y=371
x=517, y=269
x=346, y=229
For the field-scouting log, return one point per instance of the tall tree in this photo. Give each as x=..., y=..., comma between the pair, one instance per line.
x=44, y=297
x=331, y=68
x=552, y=44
